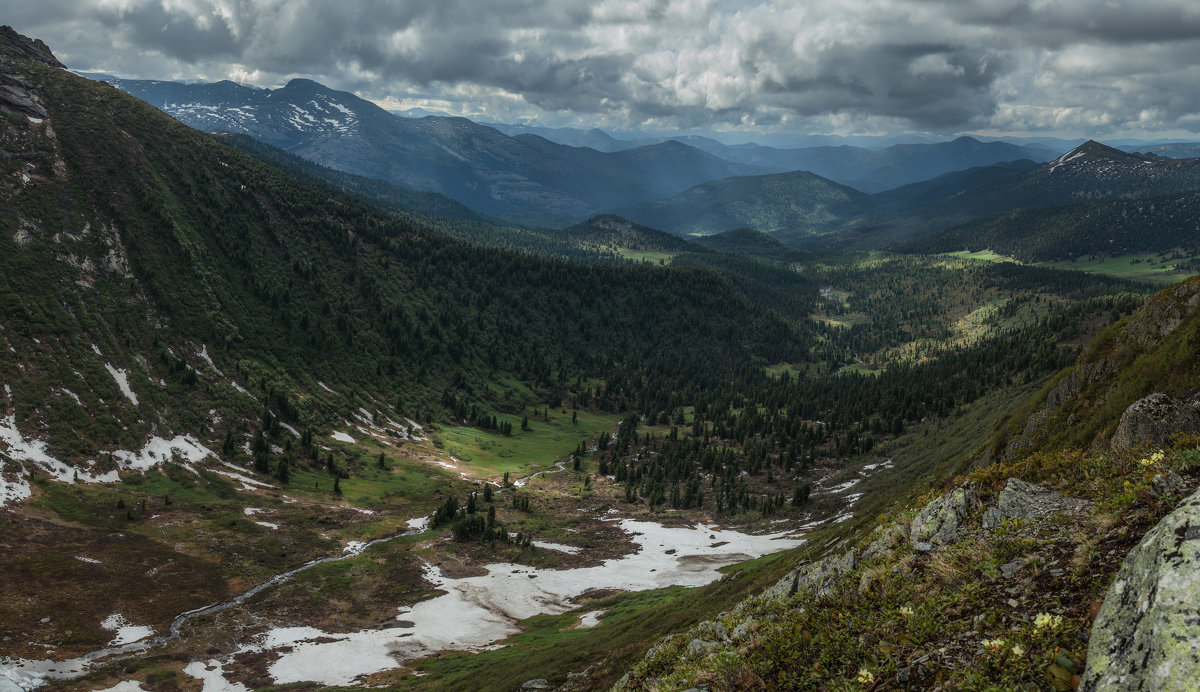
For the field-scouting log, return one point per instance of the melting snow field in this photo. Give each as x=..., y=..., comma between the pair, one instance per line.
x=341, y=437
x=477, y=611
x=125, y=632
x=14, y=477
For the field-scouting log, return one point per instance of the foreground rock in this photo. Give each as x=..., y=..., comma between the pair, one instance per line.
x=1147, y=634
x=1152, y=420
x=1021, y=500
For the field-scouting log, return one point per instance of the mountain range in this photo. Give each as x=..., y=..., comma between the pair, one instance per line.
x=527, y=179
x=256, y=412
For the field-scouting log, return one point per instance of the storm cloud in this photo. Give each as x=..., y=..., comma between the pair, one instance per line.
x=1069, y=67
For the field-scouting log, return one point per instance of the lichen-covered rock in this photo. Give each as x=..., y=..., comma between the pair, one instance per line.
x=1166, y=485
x=817, y=577
x=1147, y=634
x=889, y=538
x=1022, y=500
x=699, y=648
x=937, y=524
x=1152, y=421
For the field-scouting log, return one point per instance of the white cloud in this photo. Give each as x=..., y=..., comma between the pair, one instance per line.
x=1066, y=67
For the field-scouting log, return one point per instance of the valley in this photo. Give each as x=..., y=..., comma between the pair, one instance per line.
x=326, y=398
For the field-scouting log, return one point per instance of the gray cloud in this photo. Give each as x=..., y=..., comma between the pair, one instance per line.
x=1072, y=67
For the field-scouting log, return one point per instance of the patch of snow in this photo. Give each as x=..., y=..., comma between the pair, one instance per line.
x=341, y=108
x=568, y=549
x=843, y=487
x=268, y=524
x=364, y=511
x=322, y=385
x=14, y=490
x=251, y=511
x=35, y=121
x=97, y=350
x=413, y=424
x=341, y=437
x=474, y=612
x=125, y=686
x=88, y=559
x=17, y=448
x=418, y=524
x=125, y=632
x=208, y=359
x=354, y=547
x=247, y=482
x=158, y=451
x=210, y=674
x=289, y=428
x=887, y=464
x=122, y=378
x=590, y=619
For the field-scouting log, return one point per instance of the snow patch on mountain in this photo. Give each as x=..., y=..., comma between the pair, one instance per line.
x=122, y=378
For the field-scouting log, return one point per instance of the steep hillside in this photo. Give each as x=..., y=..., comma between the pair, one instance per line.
x=799, y=202
x=162, y=247
x=1065, y=564
x=528, y=179
x=1106, y=228
x=428, y=208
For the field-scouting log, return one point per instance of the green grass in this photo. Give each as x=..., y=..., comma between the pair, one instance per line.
x=1152, y=266
x=980, y=255
x=488, y=454
x=1147, y=267
x=777, y=369
x=651, y=256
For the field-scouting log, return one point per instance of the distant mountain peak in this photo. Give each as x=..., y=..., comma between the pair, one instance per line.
x=1091, y=151
x=12, y=43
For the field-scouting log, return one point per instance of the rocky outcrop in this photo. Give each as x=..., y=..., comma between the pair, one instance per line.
x=1152, y=420
x=890, y=537
x=14, y=44
x=1070, y=387
x=938, y=523
x=1147, y=634
x=816, y=577
x=1021, y=500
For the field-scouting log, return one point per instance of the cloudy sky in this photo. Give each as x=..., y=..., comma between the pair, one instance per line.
x=1067, y=68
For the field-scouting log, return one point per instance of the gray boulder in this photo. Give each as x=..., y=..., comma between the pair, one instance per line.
x=1147, y=633
x=818, y=577
x=1151, y=422
x=890, y=537
x=1022, y=500
x=699, y=648
x=938, y=523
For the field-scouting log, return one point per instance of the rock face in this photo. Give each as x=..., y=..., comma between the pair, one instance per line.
x=1147, y=634
x=1152, y=420
x=12, y=43
x=816, y=576
x=1021, y=500
x=937, y=524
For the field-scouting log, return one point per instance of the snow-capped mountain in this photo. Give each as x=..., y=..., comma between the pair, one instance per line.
x=527, y=178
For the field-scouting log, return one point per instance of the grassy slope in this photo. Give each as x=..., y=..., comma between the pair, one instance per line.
x=947, y=617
